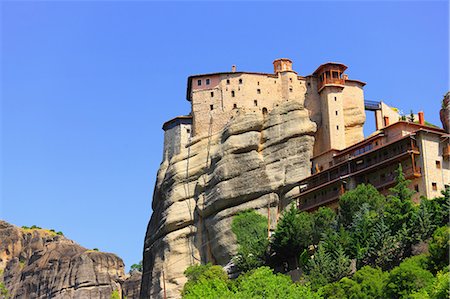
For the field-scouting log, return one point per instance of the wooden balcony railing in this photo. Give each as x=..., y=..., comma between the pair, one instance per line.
x=334, y=81
x=447, y=151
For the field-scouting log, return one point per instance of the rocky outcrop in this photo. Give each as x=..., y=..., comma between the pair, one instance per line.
x=38, y=263
x=254, y=163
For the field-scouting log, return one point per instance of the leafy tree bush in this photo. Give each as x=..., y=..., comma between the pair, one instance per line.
x=115, y=294
x=324, y=221
x=409, y=277
x=262, y=283
x=136, y=267
x=351, y=201
x=293, y=234
x=250, y=229
x=207, y=281
x=327, y=266
x=3, y=291
x=439, y=248
x=372, y=282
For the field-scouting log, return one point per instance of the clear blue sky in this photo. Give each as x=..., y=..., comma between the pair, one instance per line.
x=86, y=87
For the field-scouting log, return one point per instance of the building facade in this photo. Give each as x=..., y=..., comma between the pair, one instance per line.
x=342, y=157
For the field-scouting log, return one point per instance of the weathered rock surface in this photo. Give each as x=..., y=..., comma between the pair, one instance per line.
x=252, y=164
x=38, y=263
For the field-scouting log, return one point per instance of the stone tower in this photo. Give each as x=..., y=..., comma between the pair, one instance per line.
x=331, y=82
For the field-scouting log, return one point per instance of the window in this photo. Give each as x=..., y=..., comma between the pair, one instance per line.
x=211, y=107
x=258, y=82
x=234, y=106
x=290, y=80
x=212, y=94
x=188, y=131
x=290, y=89
x=255, y=102
x=335, y=99
x=309, y=84
x=207, y=81
x=258, y=91
x=416, y=188
x=434, y=186
x=228, y=81
x=336, y=113
x=232, y=93
x=438, y=164
x=240, y=81
x=199, y=82
x=337, y=127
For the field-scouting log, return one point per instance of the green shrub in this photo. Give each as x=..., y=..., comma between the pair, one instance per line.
x=409, y=277
x=439, y=248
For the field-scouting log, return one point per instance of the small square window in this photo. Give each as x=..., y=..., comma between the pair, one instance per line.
x=234, y=106
x=337, y=127
x=336, y=113
x=335, y=99
x=211, y=107
x=199, y=82
x=434, y=186
x=258, y=82
x=207, y=81
x=258, y=91
x=240, y=81
x=290, y=89
x=438, y=164
x=232, y=93
x=212, y=94
x=228, y=81
x=309, y=84
x=290, y=80
x=188, y=131
x=255, y=102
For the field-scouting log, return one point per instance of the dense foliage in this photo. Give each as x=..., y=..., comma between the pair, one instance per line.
x=375, y=246
x=251, y=231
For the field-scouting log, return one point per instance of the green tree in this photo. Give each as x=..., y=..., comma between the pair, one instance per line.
x=351, y=201
x=136, y=267
x=324, y=221
x=293, y=234
x=439, y=248
x=409, y=277
x=250, y=229
x=327, y=266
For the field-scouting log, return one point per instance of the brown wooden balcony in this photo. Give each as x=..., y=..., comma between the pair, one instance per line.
x=331, y=81
x=446, y=152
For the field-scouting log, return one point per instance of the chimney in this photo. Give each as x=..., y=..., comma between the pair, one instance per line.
x=233, y=68
x=421, y=118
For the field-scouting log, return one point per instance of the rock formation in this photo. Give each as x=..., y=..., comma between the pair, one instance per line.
x=253, y=163
x=38, y=263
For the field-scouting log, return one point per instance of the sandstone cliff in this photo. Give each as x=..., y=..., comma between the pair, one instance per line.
x=253, y=163
x=38, y=263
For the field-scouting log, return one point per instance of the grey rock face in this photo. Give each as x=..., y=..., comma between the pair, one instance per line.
x=253, y=163
x=38, y=263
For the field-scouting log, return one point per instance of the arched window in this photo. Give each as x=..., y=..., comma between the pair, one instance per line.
x=232, y=93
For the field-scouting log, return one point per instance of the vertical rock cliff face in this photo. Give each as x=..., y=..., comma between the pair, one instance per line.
x=37, y=263
x=253, y=163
